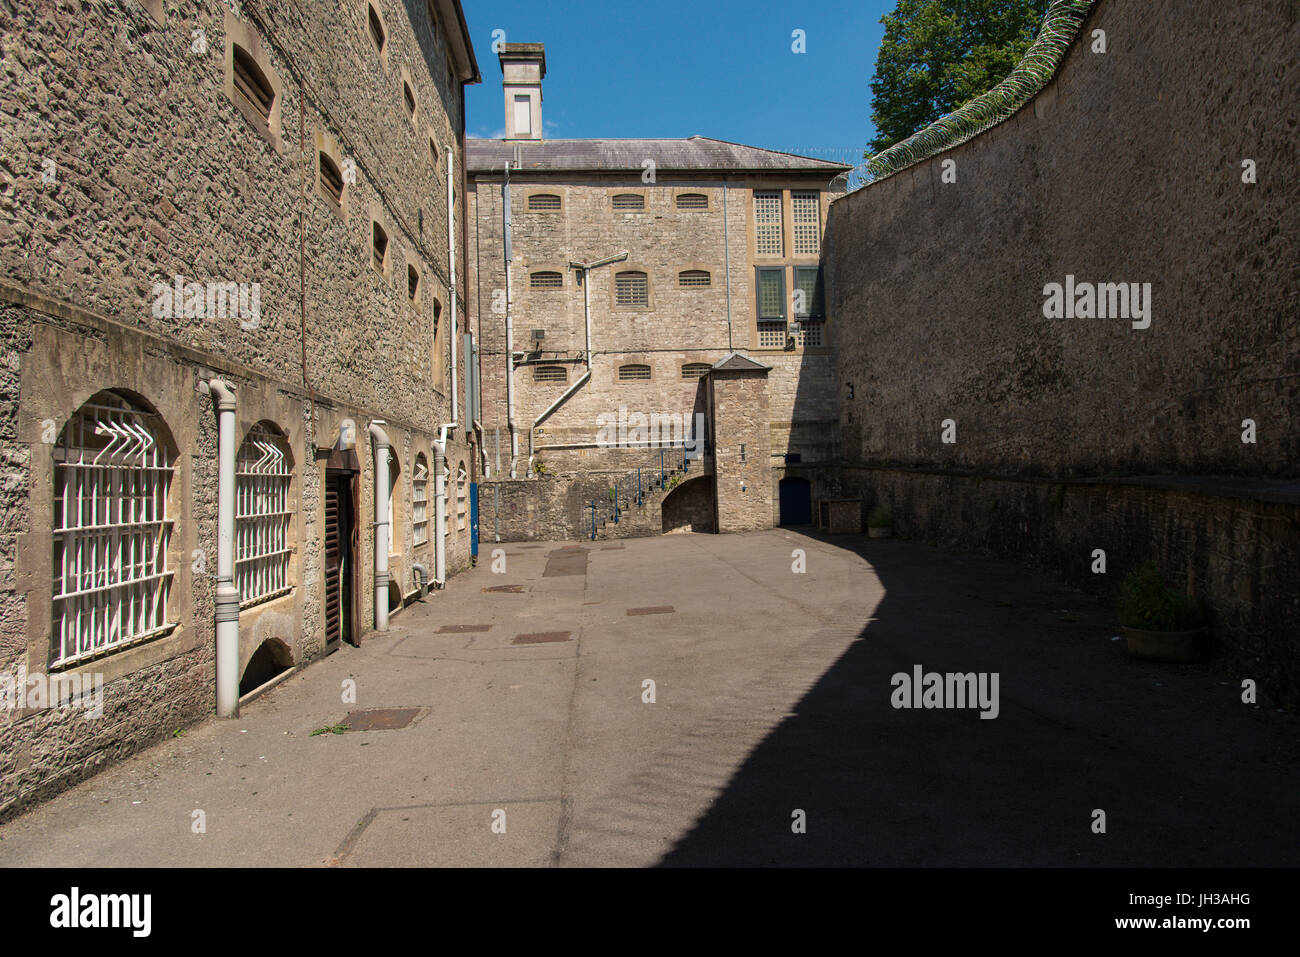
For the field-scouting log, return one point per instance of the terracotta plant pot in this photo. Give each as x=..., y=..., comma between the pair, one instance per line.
x=1166, y=645
x=880, y=532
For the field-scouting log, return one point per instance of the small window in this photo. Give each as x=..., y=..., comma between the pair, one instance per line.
x=408, y=97
x=251, y=84
x=694, y=370
x=376, y=28
x=692, y=201
x=420, y=500
x=809, y=301
x=412, y=283
x=379, y=246
x=523, y=115
x=550, y=374
x=629, y=202
x=629, y=372
x=434, y=153
x=331, y=179
x=632, y=289
x=694, y=277
x=543, y=202
x=545, y=280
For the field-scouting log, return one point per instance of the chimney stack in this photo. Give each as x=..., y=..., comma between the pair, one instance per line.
x=523, y=65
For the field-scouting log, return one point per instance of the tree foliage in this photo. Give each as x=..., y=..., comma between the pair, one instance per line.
x=938, y=54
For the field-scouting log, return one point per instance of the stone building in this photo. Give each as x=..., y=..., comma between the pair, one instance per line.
x=633, y=267
x=229, y=302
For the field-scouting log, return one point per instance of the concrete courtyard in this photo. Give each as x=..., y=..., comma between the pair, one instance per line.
x=772, y=696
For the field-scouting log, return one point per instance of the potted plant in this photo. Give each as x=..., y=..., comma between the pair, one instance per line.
x=1160, y=622
x=880, y=523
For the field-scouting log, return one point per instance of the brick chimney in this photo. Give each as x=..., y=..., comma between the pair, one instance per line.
x=523, y=65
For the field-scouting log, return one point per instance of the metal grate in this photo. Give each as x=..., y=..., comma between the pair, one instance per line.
x=632, y=289
x=629, y=202
x=771, y=335
x=768, y=240
x=692, y=201
x=550, y=374
x=807, y=223
x=545, y=280
x=543, y=202
x=420, y=499
x=809, y=333
x=694, y=277
x=633, y=372
x=262, y=476
x=462, y=482
x=694, y=370
x=111, y=531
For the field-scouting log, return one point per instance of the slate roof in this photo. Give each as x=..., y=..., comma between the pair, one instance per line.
x=619, y=155
x=735, y=362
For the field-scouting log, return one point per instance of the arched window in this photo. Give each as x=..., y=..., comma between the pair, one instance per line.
x=420, y=499
x=629, y=202
x=251, y=84
x=331, y=179
x=546, y=279
x=694, y=370
x=692, y=201
x=263, y=471
x=543, y=202
x=112, y=479
x=633, y=372
x=550, y=374
x=462, y=486
x=694, y=277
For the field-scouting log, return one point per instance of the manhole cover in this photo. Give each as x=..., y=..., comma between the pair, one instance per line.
x=508, y=589
x=652, y=610
x=530, y=546
x=541, y=636
x=610, y=548
x=381, y=719
x=461, y=629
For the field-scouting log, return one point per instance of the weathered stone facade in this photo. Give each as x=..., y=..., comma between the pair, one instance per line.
x=1168, y=159
x=738, y=404
x=134, y=155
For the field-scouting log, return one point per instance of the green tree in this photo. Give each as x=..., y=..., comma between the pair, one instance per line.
x=938, y=54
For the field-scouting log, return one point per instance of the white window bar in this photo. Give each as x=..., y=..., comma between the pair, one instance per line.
x=262, y=475
x=111, y=582
x=461, y=481
x=420, y=500
x=807, y=224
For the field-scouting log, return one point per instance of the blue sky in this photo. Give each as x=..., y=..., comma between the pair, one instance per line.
x=719, y=68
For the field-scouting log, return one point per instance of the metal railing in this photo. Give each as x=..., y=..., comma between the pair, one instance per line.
x=635, y=486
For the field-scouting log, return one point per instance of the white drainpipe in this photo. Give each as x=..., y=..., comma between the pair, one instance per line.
x=379, y=439
x=227, y=596
x=510, y=329
x=451, y=253
x=440, y=510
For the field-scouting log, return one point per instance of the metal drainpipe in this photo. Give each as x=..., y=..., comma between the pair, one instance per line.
x=227, y=596
x=726, y=252
x=440, y=514
x=381, y=444
x=451, y=254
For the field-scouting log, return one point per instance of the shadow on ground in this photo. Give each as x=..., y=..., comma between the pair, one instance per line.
x=1186, y=774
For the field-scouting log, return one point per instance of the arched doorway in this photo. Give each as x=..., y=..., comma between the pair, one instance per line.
x=796, y=501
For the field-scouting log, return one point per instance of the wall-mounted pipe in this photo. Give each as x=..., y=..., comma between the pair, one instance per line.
x=227, y=596
x=421, y=574
x=379, y=439
x=451, y=270
x=440, y=512
x=510, y=329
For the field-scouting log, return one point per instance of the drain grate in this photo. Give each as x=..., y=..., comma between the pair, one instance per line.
x=461, y=629
x=539, y=637
x=652, y=610
x=505, y=589
x=381, y=719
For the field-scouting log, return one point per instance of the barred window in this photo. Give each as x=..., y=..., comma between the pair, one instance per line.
x=633, y=372
x=545, y=280
x=809, y=301
x=543, y=201
x=694, y=277
x=112, y=478
x=550, y=374
x=420, y=499
x=692, y=201
x=694, y=370
x=632, y=289
x=629, y=202
x=809, y=334
x=771, y=335
x=768, y=240
x=462, y=483
x=262, y=475
x=807, y=223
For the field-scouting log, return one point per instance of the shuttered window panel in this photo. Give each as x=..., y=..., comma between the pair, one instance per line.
x=807, y=223
x=768, y=239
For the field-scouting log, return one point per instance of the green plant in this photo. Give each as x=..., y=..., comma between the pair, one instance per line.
x=1149, y=603
x=539, y=468
x=331, y=729
x=880, y=517
x=675, y=481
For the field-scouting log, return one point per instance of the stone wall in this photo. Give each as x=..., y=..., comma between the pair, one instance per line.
x=128, y=162
x=742, y=454
x=1127, y=168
